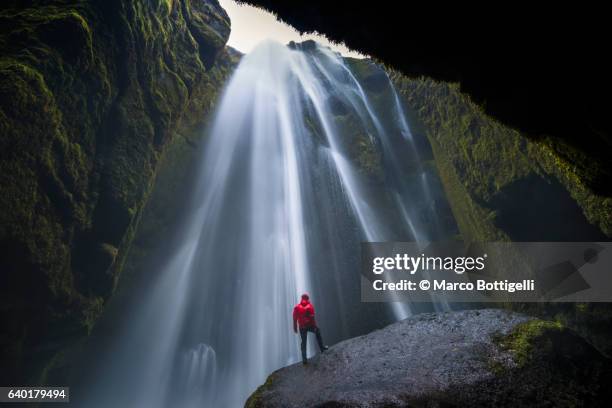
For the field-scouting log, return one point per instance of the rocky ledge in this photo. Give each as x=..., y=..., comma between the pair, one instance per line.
x=468, y=358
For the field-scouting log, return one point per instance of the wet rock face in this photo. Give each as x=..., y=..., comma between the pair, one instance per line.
x=91, y=93
x=488, y=170
x=469, y=358
x=503, y=186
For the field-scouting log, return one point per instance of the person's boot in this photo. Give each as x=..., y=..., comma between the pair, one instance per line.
x=322, y=347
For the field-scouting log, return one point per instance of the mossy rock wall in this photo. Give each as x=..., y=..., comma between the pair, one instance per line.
x=169, y=202
x=91, y=93
x=502, y=185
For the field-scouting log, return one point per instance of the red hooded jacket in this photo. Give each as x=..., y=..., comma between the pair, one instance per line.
x=304, y=314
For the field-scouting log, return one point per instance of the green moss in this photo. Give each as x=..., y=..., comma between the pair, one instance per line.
x=581, y=307
x=91, y=312
x=55, y=361
x=523, y=339
x=256, y=399
x=568, y=165
x=163, y=211
x=365, y=156
x=479, y=158
x=473, y=219
x=166, y=4
x=90, y=97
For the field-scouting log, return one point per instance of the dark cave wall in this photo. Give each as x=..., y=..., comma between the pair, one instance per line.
x=543, y=71
x=91, y=93
x=501, y=184
x=504, y=186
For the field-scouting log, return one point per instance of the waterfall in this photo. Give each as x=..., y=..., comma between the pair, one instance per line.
x=300, y=166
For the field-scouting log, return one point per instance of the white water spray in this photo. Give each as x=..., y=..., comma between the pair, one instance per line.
x=280, y=206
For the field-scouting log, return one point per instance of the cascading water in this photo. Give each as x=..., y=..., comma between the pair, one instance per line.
x=300, y=167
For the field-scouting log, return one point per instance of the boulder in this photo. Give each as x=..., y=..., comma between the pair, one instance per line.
x=468, y=358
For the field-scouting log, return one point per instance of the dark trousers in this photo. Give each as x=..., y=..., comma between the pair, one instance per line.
x=304, y=336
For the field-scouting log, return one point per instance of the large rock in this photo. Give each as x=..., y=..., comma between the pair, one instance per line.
x=469, y=358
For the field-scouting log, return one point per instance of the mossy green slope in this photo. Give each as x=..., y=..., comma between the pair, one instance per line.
x=479, y=161
x=168, y=202
x=521, y=341
x=91, y=93
x=484, y=164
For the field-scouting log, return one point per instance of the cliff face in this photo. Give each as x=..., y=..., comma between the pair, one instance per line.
x=501, y=184
x=90, y=95
x=488, y=358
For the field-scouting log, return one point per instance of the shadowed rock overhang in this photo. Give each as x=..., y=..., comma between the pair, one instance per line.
x=542, y=71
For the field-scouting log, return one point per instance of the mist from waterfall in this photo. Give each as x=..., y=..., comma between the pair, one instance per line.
x=300, y=166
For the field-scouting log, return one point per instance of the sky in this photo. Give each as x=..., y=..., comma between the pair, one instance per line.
x=251, y=25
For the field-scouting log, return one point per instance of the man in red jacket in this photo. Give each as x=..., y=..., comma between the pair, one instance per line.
x=304, y=317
